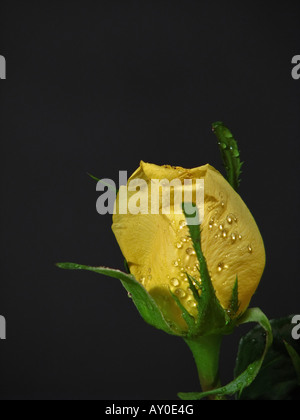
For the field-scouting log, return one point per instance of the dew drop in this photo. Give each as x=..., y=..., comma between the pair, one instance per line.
x=229, y=219
x=182, y=224
x=224, y=234
x=222, y=145
x=220, y=267
x=250, y=249
x=250, y=369
x=130, y=295
x=179, y=245
x=233, y=237
x=192, y=303
x=229, y=311
x=180, y=293
x=175, y=282
x=221, y=227
x=190, y=251
x=236, y=153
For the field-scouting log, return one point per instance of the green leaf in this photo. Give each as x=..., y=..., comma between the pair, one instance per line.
x=93, y=177
x=278, y=378
x=295, y=359
x=247, y=376
x=145, y=304
x=229, y=152
x=106, y=184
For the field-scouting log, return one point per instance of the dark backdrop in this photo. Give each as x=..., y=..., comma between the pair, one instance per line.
x=96, y=86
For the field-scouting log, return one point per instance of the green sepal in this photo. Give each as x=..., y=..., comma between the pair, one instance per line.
x=144, y=303
x=189, y=319
x=246, y=378
x=234, y=304
x=230, y=153
x=212, y=318
x=126, y=266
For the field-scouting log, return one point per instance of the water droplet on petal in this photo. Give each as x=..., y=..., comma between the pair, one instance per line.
x=220, y=267
x=182, y=224
x=250, y=249
x=190, y=251
x=229, y=219
x=192, y=303
x=180, y=293
x=179, y=245
x=175, y=282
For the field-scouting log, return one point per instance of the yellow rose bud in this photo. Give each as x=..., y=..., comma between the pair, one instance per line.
x=160, y=253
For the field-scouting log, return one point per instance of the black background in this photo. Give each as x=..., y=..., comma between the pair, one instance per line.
x=96, y=86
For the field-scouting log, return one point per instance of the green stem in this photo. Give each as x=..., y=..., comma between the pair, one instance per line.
x=206, y=352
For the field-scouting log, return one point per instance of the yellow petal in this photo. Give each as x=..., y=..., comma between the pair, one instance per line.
x=159, y=252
